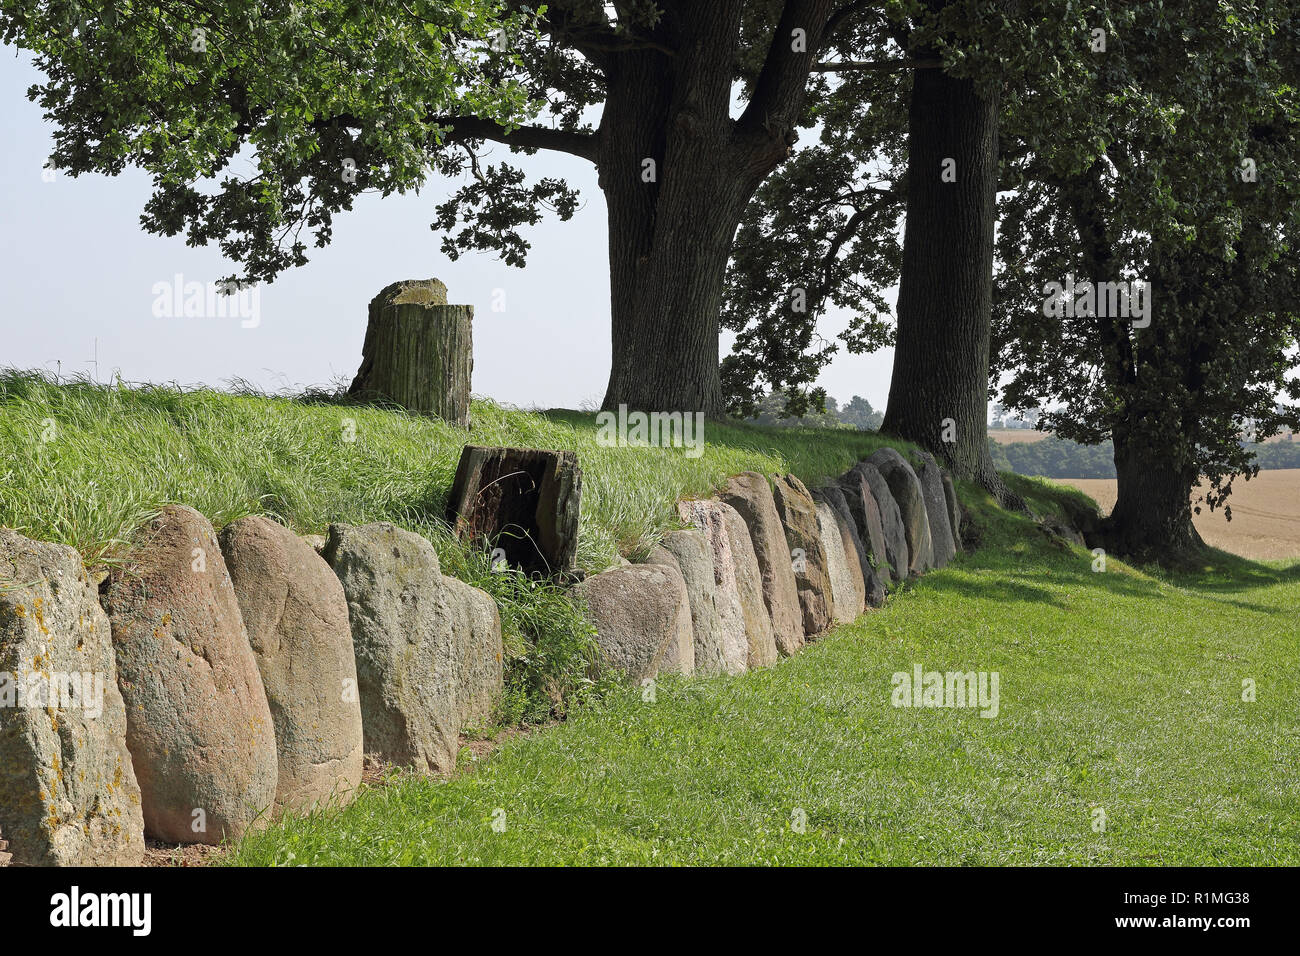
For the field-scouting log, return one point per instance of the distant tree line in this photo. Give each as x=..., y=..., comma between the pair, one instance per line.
x=857, y=413
x=1061, y=458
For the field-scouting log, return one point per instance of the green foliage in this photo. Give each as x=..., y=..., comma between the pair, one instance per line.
x=1061, y=458
x=778, y=408
x=1148, y=183
x=308, y=90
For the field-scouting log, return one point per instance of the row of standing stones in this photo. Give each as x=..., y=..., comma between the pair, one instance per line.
x=246, y=675
x=767, y=566
x=242, y=676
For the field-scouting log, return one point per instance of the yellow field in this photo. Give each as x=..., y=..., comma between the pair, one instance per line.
x=1008, y=436
x=1265, y=514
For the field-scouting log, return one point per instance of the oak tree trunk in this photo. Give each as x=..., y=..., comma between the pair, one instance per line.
x=1152, y=517
x=938, y=396
x=677, y=172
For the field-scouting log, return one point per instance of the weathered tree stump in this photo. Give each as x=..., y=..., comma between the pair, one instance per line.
x=418, y=352
x=521, y=500
x=4, y=857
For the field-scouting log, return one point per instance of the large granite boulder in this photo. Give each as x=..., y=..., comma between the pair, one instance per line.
x=763, y=648
x=640, y=612
x=679, y=658
x=68, y=791
x=407, y=663
x=297, y=621
x=906, y=489
x=478, y=652
x=878, y=520
x=845, y=592
x=199, y=727
x=710, y=518
x=936, y=509
x=856, y=551
x=694, y=559
x=751, y=496
x=803, y=538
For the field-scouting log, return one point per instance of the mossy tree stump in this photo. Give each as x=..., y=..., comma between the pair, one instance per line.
x=418, y=352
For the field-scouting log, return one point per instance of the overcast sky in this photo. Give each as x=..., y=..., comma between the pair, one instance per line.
x=79, y=273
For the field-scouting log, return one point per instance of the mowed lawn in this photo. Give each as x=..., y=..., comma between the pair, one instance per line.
x=1119, y=693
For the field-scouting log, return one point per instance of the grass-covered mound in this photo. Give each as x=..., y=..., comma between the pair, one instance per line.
x=1120, y=693
x=86, y=464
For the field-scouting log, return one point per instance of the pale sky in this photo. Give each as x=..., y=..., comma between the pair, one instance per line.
x=79, y=272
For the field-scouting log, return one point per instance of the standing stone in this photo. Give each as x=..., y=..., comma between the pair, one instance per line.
x=751, y=496
x=954, y=509
x=639, y=611
x=68, y=791
x=846, y=600
x=878, y=519
x=418, y=351
x=798, y=515
x=906, y=489
x=936, y=509
x=709, y=517
x=690, y=549
x=523, y=501
x=297, y=621
x=198, y=724
x=475, y=625
x=763, y=649
x=868, y=578
x=679, y=657
x=406, y=657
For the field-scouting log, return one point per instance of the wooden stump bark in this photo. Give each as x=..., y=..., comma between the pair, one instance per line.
x=418, y=352
x=522, y=500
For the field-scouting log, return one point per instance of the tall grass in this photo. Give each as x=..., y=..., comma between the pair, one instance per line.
x=85, y=464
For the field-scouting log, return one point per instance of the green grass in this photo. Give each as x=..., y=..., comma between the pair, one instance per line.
x=114, y=455
x=86, y=464
x=1119, y=691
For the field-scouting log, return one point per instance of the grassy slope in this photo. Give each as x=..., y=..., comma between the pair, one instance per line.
x=1119, y=691
x=118, y=454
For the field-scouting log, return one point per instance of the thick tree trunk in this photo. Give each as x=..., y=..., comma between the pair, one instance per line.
x=665, y=305
x=418, y=351
x=677, y=172
x=1152, y=517
x=938, y=396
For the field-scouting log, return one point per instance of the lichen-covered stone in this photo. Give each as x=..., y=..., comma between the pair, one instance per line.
x=803, y=537
x=297, y=621
x=906, y=489
x=198, y=723
x=709, y=517
x=68, y=791
x=639, y=612
x=751, y=496
x=407, y=663
x=690, y=549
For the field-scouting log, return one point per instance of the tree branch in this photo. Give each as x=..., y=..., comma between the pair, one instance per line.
x=528, y=137
x=779, y=90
